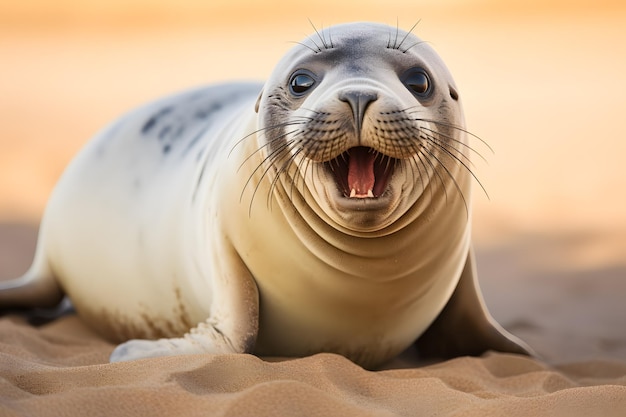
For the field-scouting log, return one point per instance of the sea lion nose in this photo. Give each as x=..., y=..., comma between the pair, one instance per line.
x=358, y=101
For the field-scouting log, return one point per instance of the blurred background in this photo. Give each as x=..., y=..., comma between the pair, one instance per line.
x=543, y=82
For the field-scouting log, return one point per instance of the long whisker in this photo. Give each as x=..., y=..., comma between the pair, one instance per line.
x=469, y=170
x=408, y=155
x=315, y=51
x=407, y=35
x=453, y=139
x=307, y=164
x=272, y=157
x=428, y=154
x=279, y=172
x=321, y=38
x=268, y=144
x=330, y=37
x=417, y=162
x=456, y=184
x=413, y=45
x=442, y=143
x=284, y=153
x=451, y=126
x=266, y=129
x=296, y=177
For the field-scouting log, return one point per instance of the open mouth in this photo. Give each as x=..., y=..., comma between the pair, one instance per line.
x=362, y=172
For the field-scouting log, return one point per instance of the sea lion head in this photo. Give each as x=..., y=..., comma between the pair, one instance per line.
x=366, y=118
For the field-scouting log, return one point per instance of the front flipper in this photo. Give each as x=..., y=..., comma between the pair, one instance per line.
x=205, y=338
x=231, y=328
x=465, y=327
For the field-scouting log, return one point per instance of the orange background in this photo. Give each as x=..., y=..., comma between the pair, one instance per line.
x=543, y=82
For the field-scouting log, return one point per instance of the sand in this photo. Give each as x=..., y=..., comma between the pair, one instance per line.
x=544, y=84
x=60, y=370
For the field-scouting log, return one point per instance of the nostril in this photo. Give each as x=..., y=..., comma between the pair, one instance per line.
x=354, y=98
x=358, y=101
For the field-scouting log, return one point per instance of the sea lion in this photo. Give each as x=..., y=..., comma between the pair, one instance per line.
x=324, y=211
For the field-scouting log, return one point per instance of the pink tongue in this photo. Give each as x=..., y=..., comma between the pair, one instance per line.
x=361, y=172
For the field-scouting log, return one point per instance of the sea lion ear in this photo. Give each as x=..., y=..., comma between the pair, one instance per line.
x=258, y=102
x=453, y=93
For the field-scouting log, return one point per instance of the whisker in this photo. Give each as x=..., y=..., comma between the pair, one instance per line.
x=423, y=157
x=453, y=139
x=265, y=129
x=407, y=35
x=315, y=51
x=306, y=169
x=321, y=38
x=272, y=157
x=330, y=37
x=312, y=111
x=266, y=145
x=413, y=45
x=319, y=48
x=285, y=152
x=427, y=156
x=467, y=168
x=456, y=184
x=404, y=152
x=442, y=143
x=279, y=172
x=417, y=162
x=296, y=177
x=395, y=41
x=333, y=146
x=451, y=126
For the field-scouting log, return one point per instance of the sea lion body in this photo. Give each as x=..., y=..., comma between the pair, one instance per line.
x=331, y=219
x=134, y=211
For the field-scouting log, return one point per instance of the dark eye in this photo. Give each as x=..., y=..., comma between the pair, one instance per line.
x=300, y=83
x=417, y=82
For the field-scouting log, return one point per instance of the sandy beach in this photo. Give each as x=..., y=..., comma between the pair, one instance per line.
x=543, y=84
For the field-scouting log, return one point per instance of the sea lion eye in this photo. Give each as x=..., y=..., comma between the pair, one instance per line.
x=417, y=81
x=300, y=83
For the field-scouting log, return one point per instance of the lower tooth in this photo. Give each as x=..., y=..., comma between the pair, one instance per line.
x=370, y=194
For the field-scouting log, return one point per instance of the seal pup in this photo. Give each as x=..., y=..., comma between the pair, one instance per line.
x=324, y=211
